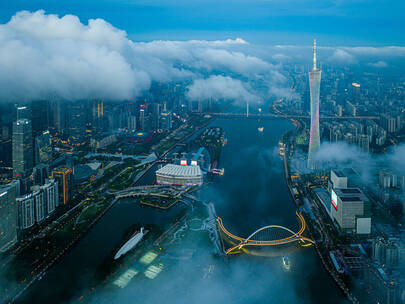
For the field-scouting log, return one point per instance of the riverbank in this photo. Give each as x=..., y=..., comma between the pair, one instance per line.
x=62, y=253
x=251, y=193
x=141, y=173
x=159, y=204
x=323, y=257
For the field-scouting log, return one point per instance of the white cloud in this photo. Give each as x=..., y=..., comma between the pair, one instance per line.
x=342, y=56
x=220, y=87
x=378, y=64
x=45, y=55
x=280, y=57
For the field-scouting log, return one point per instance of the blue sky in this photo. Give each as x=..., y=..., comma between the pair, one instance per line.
x=333, y=22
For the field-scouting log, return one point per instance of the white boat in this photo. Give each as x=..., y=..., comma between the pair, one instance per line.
x=131, y=243
x=286, y=263
x=260, y=129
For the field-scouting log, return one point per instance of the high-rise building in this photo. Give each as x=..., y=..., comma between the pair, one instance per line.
x=26, y=214
x=131, y=123
x=356, y=90
x=58, y=115
x=6, y=155
x=165, y=121
x=314, y=86
x=351, y=210
x=23, y=113
x=337, y=180
x=50, y=190
x=364, y=142
x=387, y=179
x=40, y=174
x=77, y=122
x=389, y=123
x=350, y=138
x=142, y=119
x=43, y=148
x=351, y=108
x=64, y=178
x=39, y=116
x=389, y=252
x=155, y=115
x=8, y=217
x=98, y=109
x=23, y=154
x=39, y=204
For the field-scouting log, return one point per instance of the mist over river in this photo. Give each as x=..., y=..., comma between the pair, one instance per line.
x=252, y=193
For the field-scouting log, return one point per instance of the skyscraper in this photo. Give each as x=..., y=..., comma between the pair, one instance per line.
x=77, y=116
x=8, y=217
x=314, y=86
x=142, y=118
x=43, y=148
x=23, y=113
x=23, y=154
x=64, y=178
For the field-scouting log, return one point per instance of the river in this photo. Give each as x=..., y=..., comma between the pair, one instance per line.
x=252, y=193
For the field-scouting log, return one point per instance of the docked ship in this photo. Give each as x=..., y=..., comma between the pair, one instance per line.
x=286, y=263
x=131, y=243
x=281, y=148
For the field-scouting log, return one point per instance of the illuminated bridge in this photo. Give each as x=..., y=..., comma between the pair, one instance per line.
x=272, y=235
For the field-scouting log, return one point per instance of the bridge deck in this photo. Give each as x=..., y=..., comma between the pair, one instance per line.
x=294, y=237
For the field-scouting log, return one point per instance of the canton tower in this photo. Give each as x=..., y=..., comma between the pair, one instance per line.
x=314, y=86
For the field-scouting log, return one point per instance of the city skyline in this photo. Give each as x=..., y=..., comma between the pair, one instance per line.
x=193, y=151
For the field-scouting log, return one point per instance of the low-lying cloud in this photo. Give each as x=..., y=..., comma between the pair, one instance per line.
x=220, y=87
x=378, y=64
x=341, y=154
x=45, y=56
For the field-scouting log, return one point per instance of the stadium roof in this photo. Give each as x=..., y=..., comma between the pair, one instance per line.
x=176, y=170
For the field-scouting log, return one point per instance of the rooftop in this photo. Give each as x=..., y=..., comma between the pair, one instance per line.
x=350, y=191
x=350, y=199
x=339, y=173
x=176, y=170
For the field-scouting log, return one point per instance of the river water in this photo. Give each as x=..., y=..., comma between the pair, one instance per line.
x=252, y=193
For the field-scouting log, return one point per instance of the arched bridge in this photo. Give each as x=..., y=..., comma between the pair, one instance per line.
x=272, y=235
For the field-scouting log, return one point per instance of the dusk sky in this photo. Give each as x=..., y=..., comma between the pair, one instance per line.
x=115, y=49
x=334, y=22
x=202, y=151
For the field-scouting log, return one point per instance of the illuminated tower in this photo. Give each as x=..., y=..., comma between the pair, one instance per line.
x=314, y=86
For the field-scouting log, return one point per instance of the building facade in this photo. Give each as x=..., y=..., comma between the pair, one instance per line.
x=8, y=217
x=43, y=148
x=351, y=210
x=65, y=179
x=51, y=196
x=23, y=154
x=26, y=212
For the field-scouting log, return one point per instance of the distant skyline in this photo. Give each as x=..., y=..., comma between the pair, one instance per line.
x=333, y=22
